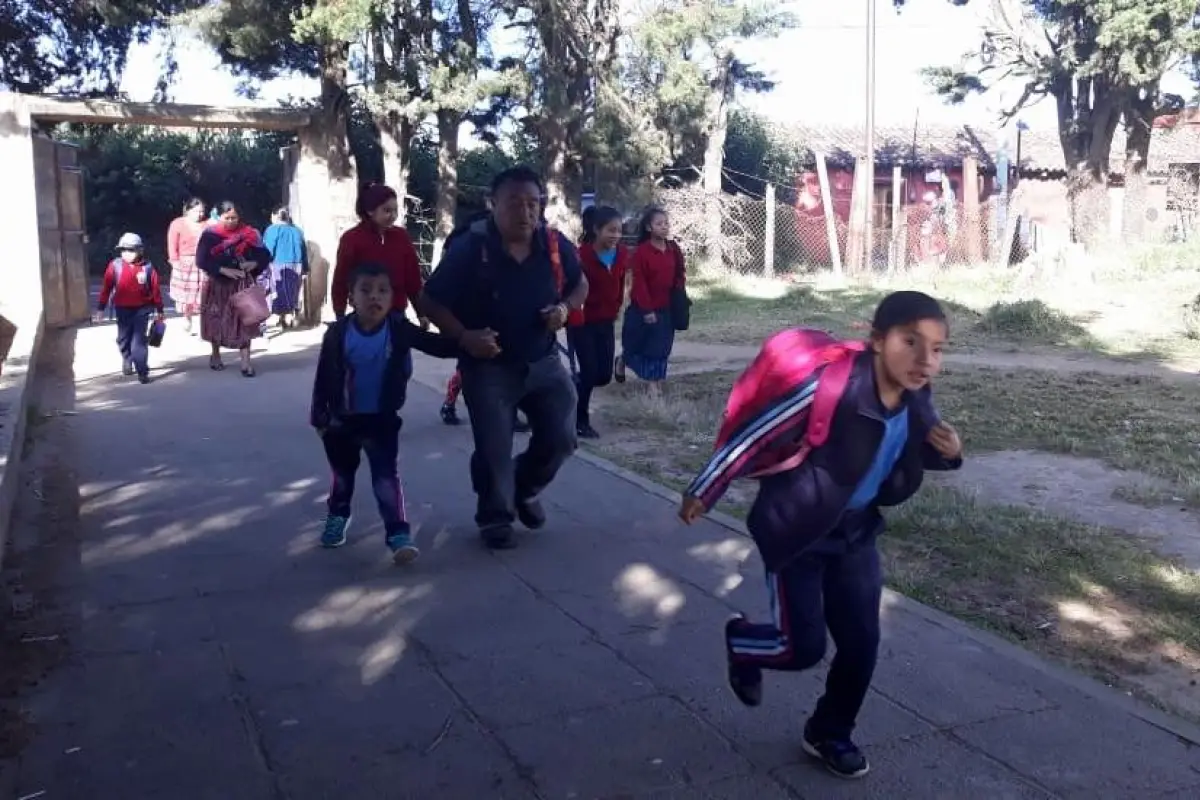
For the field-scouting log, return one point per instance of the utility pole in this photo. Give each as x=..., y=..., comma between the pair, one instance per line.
x=869, y=181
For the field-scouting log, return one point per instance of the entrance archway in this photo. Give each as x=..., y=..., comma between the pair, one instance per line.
x=44, y=217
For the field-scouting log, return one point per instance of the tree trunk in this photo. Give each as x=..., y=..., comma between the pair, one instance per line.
x=334, y=118
x=720, y=91
x=449, y=123
x=1089, y=110
x=1139, y=124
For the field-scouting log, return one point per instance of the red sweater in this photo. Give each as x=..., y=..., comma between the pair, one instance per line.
x=606, y=287
x=655, y=273
x=364, y=243
x=129, y=293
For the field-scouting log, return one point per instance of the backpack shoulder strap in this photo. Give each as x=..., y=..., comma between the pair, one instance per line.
x=117, y=266
x=554, y=247
x=839, y=363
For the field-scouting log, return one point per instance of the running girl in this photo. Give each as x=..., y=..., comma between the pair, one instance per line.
x=591, y=333
x=815, y=524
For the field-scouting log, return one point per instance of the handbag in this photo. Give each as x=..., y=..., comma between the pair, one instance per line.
x=155, y=332
x=250, y=305
x=681, y=304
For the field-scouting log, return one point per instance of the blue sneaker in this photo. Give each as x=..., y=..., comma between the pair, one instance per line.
x=402, y=547
x=334, y=534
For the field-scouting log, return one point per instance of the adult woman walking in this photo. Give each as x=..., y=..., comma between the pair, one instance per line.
x=289, y=263
x=377, y=240
x=590, y=333
x=648, y=332
x=187, y=280
x=232, y=255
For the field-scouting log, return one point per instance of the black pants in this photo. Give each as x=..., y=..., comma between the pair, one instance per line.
x=840, y=591
x=595, y=347
x=132, y=324
x=493, y=391
x=378, y=435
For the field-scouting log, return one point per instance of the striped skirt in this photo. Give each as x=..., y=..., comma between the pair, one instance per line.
x=187, y=285
x=219, y=323
x=646, y=346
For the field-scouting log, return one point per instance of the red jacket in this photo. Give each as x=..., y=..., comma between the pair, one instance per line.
x=655, y=273
x=606, y=286
x=128, y=293
x=364, y=243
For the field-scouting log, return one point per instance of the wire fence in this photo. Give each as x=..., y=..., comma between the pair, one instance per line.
x=760, y=236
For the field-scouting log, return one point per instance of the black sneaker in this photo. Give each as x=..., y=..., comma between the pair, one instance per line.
x=143, y=379
x=744, y=679
x=498, y=537
x=842, y=758
x=531, y=514
x=586, y=431
x=127, y=367
x=450, y=415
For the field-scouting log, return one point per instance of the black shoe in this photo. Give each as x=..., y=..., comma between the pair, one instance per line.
x=842, y=758
x=531, y=514
x=499, y=537
x=586, y=431
x=450, y=415
x=744, y=679
x=126, y=367
x=143, y=379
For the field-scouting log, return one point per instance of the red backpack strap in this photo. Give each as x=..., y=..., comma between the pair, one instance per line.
x=552, y=245
x=839, y=361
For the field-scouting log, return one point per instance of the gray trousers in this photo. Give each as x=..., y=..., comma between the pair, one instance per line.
x=493, y=391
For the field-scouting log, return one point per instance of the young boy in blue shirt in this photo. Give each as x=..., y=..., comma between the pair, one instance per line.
x=360, y=387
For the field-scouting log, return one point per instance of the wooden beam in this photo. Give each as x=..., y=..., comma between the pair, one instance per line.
x=163, y=115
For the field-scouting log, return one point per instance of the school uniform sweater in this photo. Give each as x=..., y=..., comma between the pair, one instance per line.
x=655, y=273
x=127, y=292
x=873, y=457
x=606, y=284
x=366, y=244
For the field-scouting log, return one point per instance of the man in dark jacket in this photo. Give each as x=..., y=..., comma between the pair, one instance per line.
x=503, y=292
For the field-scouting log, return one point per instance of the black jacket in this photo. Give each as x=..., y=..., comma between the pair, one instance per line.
x=331, y=387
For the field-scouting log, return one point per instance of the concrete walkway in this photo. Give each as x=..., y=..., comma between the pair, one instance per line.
x=213, y=652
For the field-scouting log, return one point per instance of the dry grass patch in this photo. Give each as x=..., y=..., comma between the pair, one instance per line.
x=1094, y=597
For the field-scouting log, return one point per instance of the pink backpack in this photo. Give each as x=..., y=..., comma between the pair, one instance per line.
x=785, y=361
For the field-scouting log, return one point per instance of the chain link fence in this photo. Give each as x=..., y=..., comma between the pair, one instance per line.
x=759, y=236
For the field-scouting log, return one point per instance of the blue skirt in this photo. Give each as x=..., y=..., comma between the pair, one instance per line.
x=646, y=347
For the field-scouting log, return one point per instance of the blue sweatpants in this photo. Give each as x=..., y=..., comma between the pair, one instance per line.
x=132, y=324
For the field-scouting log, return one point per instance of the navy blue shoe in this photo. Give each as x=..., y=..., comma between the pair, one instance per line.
x=840, y=757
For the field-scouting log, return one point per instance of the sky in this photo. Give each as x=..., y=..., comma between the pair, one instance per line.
x=819, y=68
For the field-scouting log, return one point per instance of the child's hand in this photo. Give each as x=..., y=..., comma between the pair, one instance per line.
x=97, y=317
x=650, y=318
x=945, y=440
x=691, y=509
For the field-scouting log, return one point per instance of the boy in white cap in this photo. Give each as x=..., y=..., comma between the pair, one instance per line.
x=131, y=283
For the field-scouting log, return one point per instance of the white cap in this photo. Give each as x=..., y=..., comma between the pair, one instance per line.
x=129, y=241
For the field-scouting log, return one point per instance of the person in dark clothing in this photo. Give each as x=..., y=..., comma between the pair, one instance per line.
x=132, y=285
x=360, y=386
x=503, y=292
x=816, y=524
x=592, y=332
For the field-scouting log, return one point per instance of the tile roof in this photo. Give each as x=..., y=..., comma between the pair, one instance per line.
x=925, y=145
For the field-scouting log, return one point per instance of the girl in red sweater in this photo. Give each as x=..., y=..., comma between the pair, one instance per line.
x=648, y=333
x=377, y=240
x=591, y=332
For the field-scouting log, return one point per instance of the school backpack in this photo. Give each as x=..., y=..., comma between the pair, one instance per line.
x=780, y=369
x=118, y=266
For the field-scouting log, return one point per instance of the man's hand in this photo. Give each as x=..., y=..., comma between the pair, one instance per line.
x=480, y=344
x=691, y=509
x=233, y=274
x=651, y=318
x=946, y=441
x=556, y=316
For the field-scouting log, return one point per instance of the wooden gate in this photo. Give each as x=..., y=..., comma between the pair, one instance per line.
x=62, y=236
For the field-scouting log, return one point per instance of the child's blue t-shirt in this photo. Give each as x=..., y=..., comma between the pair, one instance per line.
x=607, y=257
x=895, y=436
x=366, y=360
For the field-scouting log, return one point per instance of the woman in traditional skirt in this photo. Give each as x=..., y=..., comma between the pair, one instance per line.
x=187, y=280
x=233, y=257
x=289, y=263
x=648, y=332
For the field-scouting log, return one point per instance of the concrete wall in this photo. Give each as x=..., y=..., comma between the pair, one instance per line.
x=20, y=293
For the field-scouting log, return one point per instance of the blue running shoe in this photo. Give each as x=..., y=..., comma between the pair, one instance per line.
x=334, y=534
x=402, y=547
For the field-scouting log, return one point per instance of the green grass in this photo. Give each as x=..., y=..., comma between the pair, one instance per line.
x=1096, y=598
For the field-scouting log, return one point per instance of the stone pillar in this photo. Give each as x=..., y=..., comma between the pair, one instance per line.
x=327, y=209
x=21, y=271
